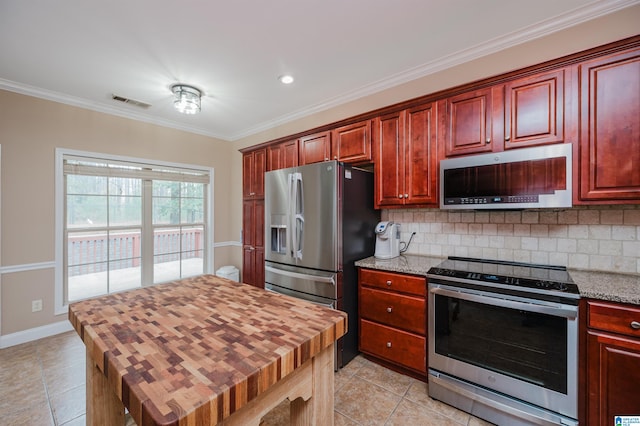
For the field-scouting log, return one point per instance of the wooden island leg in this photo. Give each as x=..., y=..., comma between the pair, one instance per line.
x=318, y=410
x=103, y=406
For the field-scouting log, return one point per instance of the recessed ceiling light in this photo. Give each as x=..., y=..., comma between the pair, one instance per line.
x=285, y=79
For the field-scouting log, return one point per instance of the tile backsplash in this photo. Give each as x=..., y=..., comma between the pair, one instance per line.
x=602, y=238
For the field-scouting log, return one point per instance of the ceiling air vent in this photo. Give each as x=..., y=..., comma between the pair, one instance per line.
x=130, y=101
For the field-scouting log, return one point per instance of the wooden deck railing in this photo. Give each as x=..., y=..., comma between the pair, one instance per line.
x=95, y=253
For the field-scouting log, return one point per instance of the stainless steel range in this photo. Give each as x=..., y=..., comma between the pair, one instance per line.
x=503, y=340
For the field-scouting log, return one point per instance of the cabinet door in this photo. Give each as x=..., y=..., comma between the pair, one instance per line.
x=613, y=377
x=468, y=123
x=282, y=155
x=421, y=156
x=352, y=143
x=253, y=242
x=253, y=167
x=315, y=148
x=388, y=142
x=534, y=110
x=610, y=128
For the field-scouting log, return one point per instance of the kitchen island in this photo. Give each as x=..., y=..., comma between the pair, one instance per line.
x=204, y=351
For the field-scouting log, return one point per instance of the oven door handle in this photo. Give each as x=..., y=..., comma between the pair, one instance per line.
x=505, y=303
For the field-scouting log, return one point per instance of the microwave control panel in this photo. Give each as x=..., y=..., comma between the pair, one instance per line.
x=492, y=199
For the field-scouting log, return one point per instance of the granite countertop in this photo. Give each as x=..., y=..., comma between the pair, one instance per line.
x=201, y=347
x=610, y=286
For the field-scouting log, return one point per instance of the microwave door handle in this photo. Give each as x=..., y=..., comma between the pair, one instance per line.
x=512, y=304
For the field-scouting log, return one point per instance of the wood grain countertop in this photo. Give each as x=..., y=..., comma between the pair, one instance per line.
x=201, y=348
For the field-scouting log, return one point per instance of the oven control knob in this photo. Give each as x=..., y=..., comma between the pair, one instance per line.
x=543, y=284
x=560, y=286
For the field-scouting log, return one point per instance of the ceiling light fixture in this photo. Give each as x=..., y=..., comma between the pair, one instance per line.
x=285, y=79
x=187, y=98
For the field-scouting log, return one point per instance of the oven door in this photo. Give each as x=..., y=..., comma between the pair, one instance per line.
x=520, y=347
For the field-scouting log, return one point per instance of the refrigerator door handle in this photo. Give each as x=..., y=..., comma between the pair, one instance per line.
x=291, y=215
x=291, y=274
x=297, y=214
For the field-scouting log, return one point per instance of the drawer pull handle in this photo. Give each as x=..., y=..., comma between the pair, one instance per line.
x=389, y=282
x=635, y=325
x=389, y=309
x=388, y=344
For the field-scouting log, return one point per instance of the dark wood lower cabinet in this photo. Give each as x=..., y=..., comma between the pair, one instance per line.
x=393, y=320
x=613, y=362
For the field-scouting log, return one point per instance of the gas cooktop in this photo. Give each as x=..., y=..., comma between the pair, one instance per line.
x=540, y=278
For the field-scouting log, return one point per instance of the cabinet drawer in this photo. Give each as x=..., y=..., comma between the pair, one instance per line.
x=613, y=317
x=398, y=346
x=396, y=282
x=396, y=310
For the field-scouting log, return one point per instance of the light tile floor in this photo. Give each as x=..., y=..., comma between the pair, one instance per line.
x=43, y=383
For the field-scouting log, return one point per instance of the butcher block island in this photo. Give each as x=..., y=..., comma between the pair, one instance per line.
x=204, y=351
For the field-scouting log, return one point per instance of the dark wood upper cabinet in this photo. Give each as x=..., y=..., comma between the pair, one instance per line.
x=609, y=150
x=352, y=143
x=534, y=110
x=469, y=122
x=253, y=168
x=315, y=148
x=520, y=113
x=282, y=155
x=421, y=155
x=406, y=157
x=388, y=141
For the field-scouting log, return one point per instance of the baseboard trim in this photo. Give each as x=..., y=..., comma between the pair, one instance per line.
x=35, y=333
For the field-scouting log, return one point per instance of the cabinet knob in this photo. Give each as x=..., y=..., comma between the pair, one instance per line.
x=252, y=193
x=506, y=138
x=488, y=140
x=635, y=325
x=388, y=344
x=400, y=195
x=335, y=157
x=389, y=309
x=406, y=195
x=389, y=282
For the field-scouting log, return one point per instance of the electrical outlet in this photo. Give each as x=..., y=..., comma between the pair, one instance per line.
x=36, y=305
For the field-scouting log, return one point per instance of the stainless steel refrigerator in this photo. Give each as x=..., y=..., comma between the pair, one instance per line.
x=320, y=219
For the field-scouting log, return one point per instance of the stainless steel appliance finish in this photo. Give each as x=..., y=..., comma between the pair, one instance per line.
x=538, y=177
x=503, y=340
x=320, y=219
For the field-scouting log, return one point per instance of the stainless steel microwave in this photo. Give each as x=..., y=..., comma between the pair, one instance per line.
x=527, y=178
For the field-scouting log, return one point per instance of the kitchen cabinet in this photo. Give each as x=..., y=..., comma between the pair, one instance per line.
x=393, y=319
x=282, y=155
x=469, y=121
x=253, y=168
x=352, y=143
x=315, y=148
x=253, y=242
x=609, y=145
x=406, y=157
x=613, y=361
x=534, y=110
x=523, y=112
